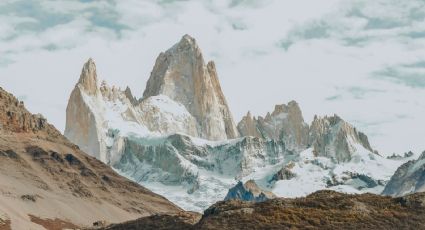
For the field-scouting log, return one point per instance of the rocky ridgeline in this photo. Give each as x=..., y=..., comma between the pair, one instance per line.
x=329, y=136
x=285, y=123
x=14, y=117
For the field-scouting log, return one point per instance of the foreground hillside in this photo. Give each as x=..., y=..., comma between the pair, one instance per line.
x=320, y=210
x=48, y=183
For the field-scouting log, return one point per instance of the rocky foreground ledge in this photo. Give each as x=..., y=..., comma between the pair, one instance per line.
x=320, y=210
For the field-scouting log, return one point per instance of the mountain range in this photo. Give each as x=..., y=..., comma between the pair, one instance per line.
x=157, y=161
x=180, y=139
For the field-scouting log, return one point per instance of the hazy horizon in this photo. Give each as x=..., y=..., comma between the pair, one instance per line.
x=362, y=60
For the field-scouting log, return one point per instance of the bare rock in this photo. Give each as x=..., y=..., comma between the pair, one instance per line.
x=181, y=74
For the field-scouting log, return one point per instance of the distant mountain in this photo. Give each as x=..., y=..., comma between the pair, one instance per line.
x=409, y=178
x=48, y=182
x=180, y=139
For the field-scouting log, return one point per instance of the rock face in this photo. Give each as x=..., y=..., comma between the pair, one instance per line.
x=248, y=192
x=334, y=138
x=285, y=123
x=81, y=122
x=44, y=178
x=409, y=178
x=181, y=74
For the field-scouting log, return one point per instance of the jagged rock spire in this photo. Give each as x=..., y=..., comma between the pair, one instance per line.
x=181, y=74
x=334, y=138
x=285, y=123
x=88, y=78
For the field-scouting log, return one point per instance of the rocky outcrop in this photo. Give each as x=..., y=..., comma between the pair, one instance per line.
x=409, y=178
x=285, y=173
x=46, y=180
x=334, y=138
x=248, y=192
x=248, y=126
x=181, y=74
x=285, y=123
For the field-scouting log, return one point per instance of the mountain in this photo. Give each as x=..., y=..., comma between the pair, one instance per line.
x=48, y=182
x=180, y=140
x=409, y=178
x=181, y=74
x=320, y=210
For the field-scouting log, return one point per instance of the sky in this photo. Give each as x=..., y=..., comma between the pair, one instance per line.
x=363, y=60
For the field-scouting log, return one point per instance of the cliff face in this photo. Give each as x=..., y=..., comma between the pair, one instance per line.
x=81, y=121
x=181, y=74
x=44, y=178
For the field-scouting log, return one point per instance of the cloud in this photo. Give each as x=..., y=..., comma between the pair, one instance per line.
x=359, y=23
x=412, y=75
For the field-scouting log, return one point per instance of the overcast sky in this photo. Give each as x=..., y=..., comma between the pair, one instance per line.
x=363, y=60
